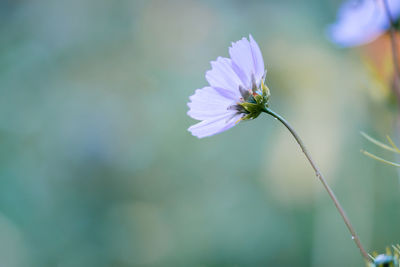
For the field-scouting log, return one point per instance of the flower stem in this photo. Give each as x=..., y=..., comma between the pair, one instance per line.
x=394, y=46
x=323, y=181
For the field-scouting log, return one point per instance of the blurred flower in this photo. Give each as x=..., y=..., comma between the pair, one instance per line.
x=361, y=21
x=384, y=260
x=377, y=57
x=236, y=92
x=388, y=259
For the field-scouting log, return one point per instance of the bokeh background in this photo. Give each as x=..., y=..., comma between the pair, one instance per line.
x=97, y=167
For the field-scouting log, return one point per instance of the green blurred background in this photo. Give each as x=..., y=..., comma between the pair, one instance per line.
x=97, y=167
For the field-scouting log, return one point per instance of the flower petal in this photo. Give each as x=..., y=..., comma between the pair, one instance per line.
x=360, y=22
x=394, y=7
x=247, y=61
x=258, y=59
x=223, y=78
x=208, y=103
x=215, y=125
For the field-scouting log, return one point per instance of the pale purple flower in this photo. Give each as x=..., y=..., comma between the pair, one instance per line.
x=236, y=85
x=361, y=21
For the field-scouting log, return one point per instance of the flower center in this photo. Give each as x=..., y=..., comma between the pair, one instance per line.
x=253, y=101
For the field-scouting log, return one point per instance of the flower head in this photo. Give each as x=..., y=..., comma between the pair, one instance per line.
x=362, y=21
x=236, y=90
x=385, y=260
x=389, y=259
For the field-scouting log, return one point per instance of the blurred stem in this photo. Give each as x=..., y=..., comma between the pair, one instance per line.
x=379, y=158
x=394, y=46
x=323, y=181
x=380, y=144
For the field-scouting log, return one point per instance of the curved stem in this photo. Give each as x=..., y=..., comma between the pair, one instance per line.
x=323, y=181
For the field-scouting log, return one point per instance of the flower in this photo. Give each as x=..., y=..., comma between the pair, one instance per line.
x=362, y=21
x=385, y=260
x=236, y=90
x=389, y=259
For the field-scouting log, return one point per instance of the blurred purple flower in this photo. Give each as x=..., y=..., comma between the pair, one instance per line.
x=236, y=86
x=361, y=21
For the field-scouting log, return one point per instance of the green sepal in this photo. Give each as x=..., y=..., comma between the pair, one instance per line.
x=265, y=91
x=252, y=109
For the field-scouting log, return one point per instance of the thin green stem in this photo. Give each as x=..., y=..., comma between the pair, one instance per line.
x=323, y=181
x=378, y=143
x=393, y=144
x=366, y=153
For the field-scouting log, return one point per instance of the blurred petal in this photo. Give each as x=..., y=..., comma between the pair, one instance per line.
x=223, y=78
x=214, y=125
x=360, y=22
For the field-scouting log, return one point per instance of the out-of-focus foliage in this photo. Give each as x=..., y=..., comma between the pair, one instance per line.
x=97, y=167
